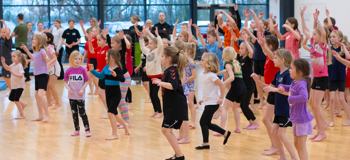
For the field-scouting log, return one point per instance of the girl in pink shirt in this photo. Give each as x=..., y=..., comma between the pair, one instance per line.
x=54, y=72
x=292, y=37
x=319, y=58
x=17, y=79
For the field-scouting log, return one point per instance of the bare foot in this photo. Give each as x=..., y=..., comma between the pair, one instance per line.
x=192, y=126
x=315, y=126
x=96, y=94
x=271, y=151
x=112, y=137
x=46, y=119
x=127, y=129
x=179, y=138
x=261, y=105
x=38, y=119
x=56, y=106
x=331, y=124
x=154, y=114
x=313, y=137
x=148, y=101
x=105, y=116
x=347, y=123
x=196, y=106
x=319, y=138
x=129, y=105
x=339, y=115
x=20, y=117
x=184, y=141
x=158, y=115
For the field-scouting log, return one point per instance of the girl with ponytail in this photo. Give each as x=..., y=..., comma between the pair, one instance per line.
x=174, y=100
x=238, y=89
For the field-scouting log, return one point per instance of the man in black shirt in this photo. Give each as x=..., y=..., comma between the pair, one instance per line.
x=162, y=25
x=71, y=38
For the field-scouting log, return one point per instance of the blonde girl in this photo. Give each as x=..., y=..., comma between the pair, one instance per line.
x=211, y=98
x=41, y=74
x=238, y=89
x=76, y=80
x=19, y=62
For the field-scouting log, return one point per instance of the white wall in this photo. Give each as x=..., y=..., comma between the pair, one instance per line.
x=339, y=9
x=274, y=7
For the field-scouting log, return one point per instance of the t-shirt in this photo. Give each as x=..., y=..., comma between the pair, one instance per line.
x=298, y=98
x=292, y=44
x=227, y=38
x=336, y=70
x=5, y=49
x=40, y=65
x=210, y=90
x=247, y=70
x=76, y=78
x=101, y=58
x=237, y=75
x=270, y=70
x=51, y=51
x=128, y=63
x=163, y=26
x=258, y=52
x=22, y=31
x=281, y=101
x=38, y=32
x=15, y=81
x=71, y=35
x=213, y=48
x=318, y=54
x=95, y=47
x=174, y=101
x=57, y=40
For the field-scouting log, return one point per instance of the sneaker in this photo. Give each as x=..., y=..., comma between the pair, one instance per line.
x=88, y=134
x=76, y=133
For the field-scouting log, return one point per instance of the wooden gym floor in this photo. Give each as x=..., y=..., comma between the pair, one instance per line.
x=24, y=139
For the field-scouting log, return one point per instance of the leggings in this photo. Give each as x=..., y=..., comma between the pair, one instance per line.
x=113, y=97
x=75, y=105
x=194, y=99
x=245, y=105
x=153, y=89
x=59, y=59
x=123, y=108
x=206, y=124
x=128, y=98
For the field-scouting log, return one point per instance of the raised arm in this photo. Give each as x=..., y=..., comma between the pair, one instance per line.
x=144, y=49
x=190, y=36
x=257, y=21
x=305, y=30
x=251, y=35
x=174, y=30
x=91, y=48
x=233, y=38
x=230, y=19
x=24, y=47
x=250, y=49
x=272, y=29
x=278, y=33
x=82, y=27
x=266, y=50
x=218, y=37
x=239, y=21
x=199, y=35
x=247, y=15
x=6, y=30
x=329, y=24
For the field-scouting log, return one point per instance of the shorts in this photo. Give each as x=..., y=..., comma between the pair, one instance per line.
x=6, y=73
x=271, y=98
x=41, y=81
x=144, y=77
x=55, y=70
x=176, y=124
x=237, y=91
x=302, y=129
x=92, y=61
x=282, y=121
x=15, y=94
x=337, y=85
x=320, y=83
x=259, y=67
x=101, y=83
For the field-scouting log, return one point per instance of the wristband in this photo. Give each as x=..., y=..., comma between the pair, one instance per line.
x=318, y=21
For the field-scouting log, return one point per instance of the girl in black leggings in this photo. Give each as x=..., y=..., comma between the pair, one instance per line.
x=211, y=99
x=246, y=50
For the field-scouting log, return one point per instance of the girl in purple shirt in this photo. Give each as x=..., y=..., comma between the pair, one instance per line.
x=41, y=74
x=298, y=96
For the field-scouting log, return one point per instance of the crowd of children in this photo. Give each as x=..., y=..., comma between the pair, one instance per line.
x=248, y=59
